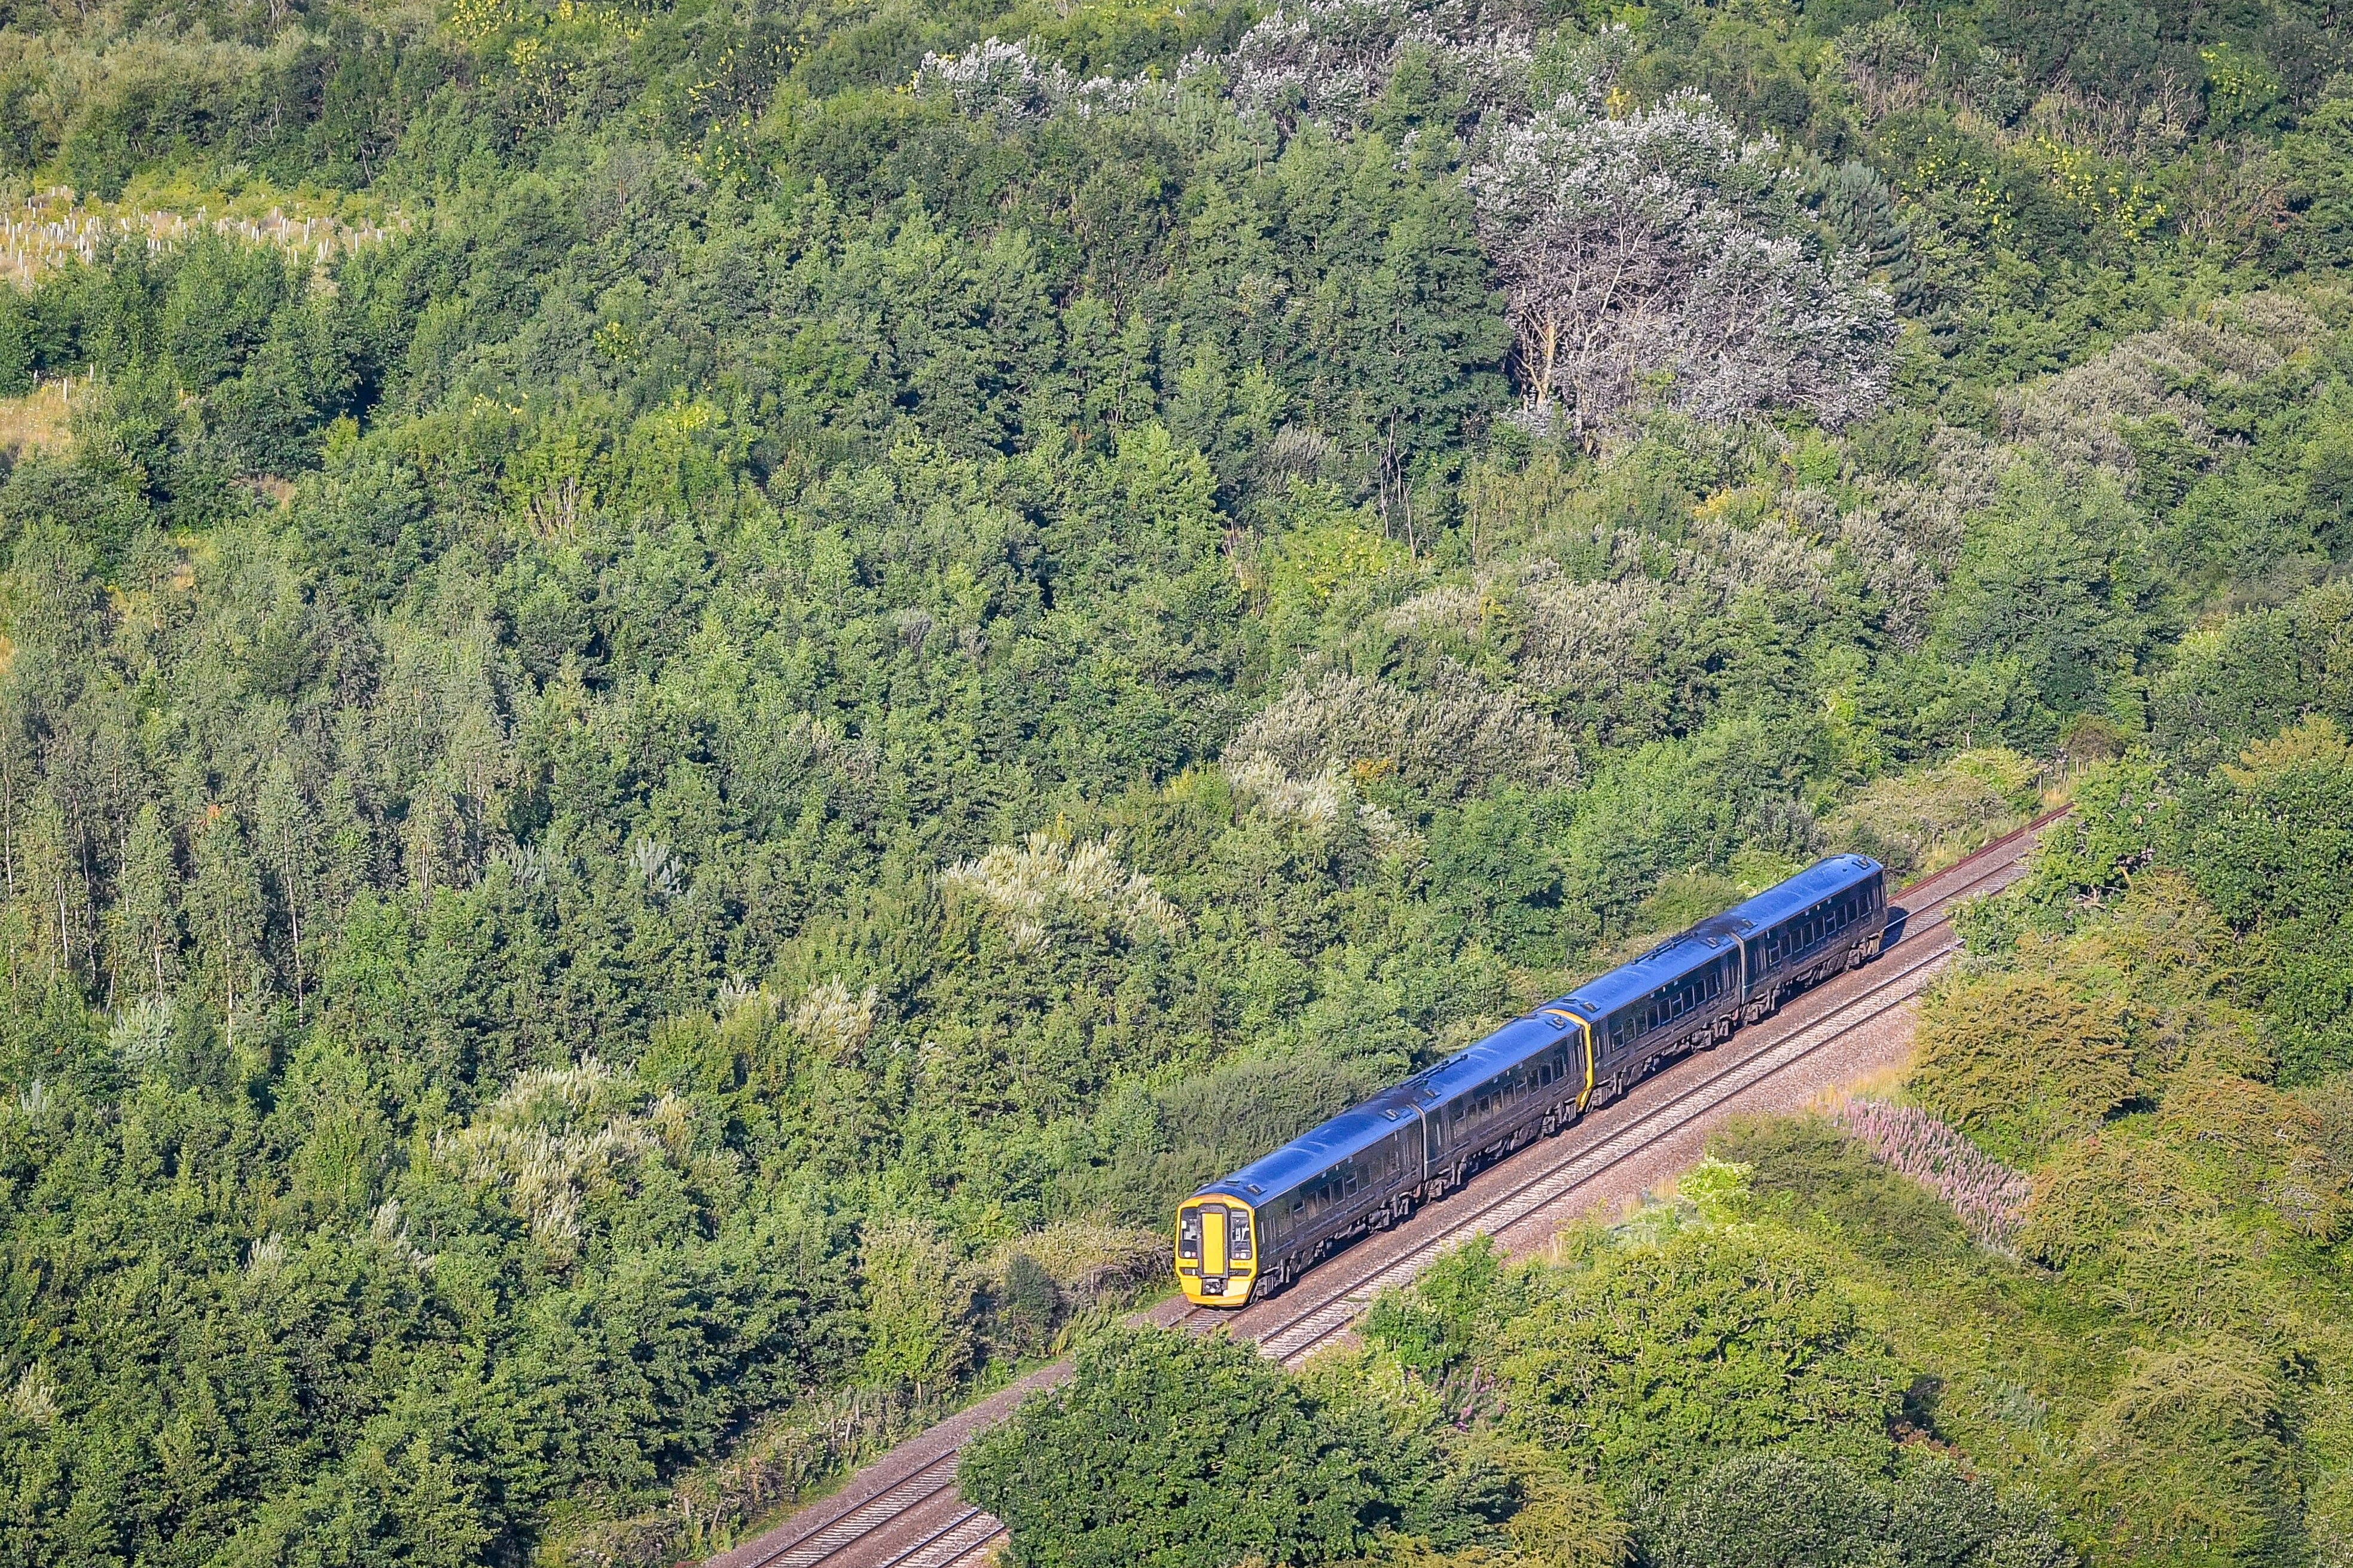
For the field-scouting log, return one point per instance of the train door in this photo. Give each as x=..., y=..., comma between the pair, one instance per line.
x=1213, y=1240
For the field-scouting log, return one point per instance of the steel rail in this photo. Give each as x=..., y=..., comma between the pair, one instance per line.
x=963, y=1521
x=828, y=1541
x=1344, y=1293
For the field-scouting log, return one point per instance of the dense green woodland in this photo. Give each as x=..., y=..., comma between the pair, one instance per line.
x=647, y=826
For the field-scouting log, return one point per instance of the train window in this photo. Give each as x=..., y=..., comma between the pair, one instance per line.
x=1189, y=1234
x=1237, y=1235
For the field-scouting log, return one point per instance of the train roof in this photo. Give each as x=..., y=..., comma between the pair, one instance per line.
x=1776, y=903
x=1352, y=1132
x=1361, y=1126
x=1686, y=951
x=1522, y=1037
x=1663, y=965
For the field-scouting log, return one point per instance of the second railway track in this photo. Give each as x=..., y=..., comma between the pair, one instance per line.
x=914, y=1518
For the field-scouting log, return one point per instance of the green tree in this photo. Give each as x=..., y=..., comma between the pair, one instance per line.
x=1172, y=1451
x=918, y=1304
x=145, y=919
x=225, y=913
x=1649, y=1363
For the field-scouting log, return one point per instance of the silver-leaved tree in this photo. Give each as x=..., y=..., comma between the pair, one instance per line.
x=1329, y=60
x=1656, y=245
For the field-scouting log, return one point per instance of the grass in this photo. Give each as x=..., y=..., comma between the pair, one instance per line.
x=37, y=421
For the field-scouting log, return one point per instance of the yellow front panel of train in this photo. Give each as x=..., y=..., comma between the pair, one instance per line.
x=1216, y=1257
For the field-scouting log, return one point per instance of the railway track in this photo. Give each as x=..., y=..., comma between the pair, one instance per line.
x=904, y=1510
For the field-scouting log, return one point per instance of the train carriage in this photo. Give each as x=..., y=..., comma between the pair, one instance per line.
x=1681, y=995
x=1830, y=917
x=1364, y=1170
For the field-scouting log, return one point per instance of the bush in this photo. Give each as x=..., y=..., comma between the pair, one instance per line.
x=2270, y=842
x=1431, y=1327
x=2189, y=1460
x=2021, y=1060
x=1651, y=1362
x=1781, y=1510
x=1802, y=1163
x=1771, y=1511
x=1923, y=820
x=1168, y=1450
x=2254, y=675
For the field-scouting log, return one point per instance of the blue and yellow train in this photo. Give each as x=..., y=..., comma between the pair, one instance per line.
x=1253, y=1233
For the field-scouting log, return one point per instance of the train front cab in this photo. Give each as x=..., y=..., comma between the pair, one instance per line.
x=1217, y=1252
